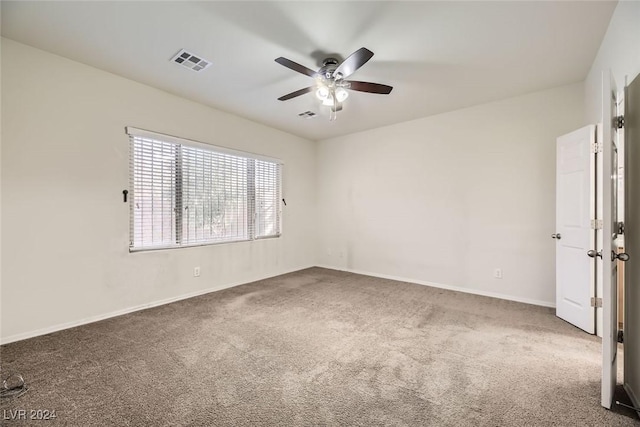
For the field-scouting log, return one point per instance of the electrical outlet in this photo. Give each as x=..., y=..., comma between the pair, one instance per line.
x=196, y=271
x=497, y=273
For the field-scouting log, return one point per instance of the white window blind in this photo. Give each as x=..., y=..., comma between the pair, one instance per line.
x=267, y=188
x=153, y=175
x=186, y=193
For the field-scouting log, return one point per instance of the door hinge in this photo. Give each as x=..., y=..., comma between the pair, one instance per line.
x=596, y=224
x=618, y=122
x=596, y=147
x=596, y=302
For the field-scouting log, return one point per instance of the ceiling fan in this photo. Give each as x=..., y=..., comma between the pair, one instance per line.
x=331, y=86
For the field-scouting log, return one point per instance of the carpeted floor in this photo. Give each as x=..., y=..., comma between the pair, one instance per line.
x=317, y=347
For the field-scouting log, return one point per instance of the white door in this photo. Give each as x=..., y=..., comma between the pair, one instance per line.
x=575, y=208
x=609, y=257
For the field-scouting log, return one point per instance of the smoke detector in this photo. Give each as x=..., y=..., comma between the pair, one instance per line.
x=190, y=60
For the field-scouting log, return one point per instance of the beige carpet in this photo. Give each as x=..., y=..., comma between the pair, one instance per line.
x=318, y=347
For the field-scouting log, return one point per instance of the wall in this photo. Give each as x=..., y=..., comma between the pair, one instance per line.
x=65, y=256
x=619, y=52
x=632, y=246
x=447, y=199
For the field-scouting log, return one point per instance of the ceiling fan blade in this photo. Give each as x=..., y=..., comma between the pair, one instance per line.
x=369, y=87
x=296, y=67
x=296, y=93
x=356, y=60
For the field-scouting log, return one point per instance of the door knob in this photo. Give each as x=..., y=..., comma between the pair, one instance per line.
x=592, y=253
x=556, y=236
x=622, y=256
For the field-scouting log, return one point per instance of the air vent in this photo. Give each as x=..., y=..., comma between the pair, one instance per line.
x=307, y=114
x=190, y=60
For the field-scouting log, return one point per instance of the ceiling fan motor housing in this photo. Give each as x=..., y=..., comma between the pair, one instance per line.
x=329, y=65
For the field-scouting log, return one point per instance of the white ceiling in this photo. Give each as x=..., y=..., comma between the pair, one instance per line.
x=438, y=56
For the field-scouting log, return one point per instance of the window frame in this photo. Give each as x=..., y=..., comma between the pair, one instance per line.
x=178, y=190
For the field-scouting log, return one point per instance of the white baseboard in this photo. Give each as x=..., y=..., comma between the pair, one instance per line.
x=634, y=399
x=86, y=320
x=448, y=287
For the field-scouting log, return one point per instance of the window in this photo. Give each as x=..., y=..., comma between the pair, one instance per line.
x=185, y=193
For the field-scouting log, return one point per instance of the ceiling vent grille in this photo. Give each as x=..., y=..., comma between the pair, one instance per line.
x=190, y=60
x=307, y=114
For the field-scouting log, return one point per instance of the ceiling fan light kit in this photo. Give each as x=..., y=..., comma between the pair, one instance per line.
x=331, y=86
x=322, y=93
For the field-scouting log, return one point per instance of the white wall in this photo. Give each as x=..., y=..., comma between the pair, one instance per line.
x=65, y=156
x=619, y=52
x=447, y=199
